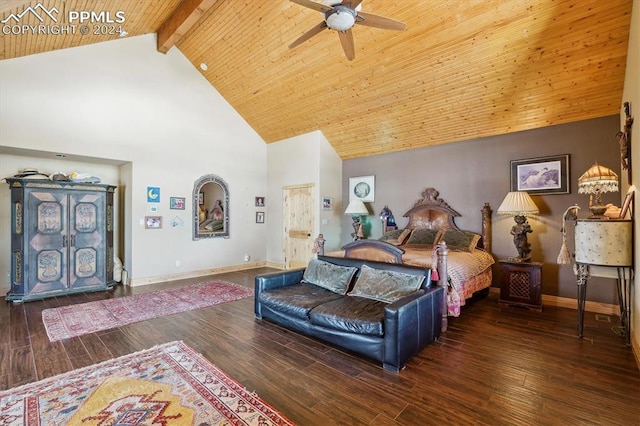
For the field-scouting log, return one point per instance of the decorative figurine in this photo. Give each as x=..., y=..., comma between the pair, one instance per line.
x=519, y=232
x=318, y=245
x=388, y=221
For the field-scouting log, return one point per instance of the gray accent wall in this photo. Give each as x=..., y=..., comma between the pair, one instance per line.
x=467, y=174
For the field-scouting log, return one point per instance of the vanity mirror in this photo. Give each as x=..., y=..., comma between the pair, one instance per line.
x=210, y=208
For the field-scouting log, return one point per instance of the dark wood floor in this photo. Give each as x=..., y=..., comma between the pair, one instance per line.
x=495, y=366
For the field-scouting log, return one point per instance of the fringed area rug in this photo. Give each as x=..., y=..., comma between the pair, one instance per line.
x=83, y=318
x=170, y=384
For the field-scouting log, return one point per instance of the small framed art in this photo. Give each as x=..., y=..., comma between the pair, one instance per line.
x=327, y=203
x=259, y=217
x=176, y=203
x=153, y=222
x=362, y=188
x=627, y=206
x=260, y=202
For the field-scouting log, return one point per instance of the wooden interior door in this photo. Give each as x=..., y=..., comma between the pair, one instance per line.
x=298, y=225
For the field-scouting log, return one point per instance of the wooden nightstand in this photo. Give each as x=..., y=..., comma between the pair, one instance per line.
x=521, y=284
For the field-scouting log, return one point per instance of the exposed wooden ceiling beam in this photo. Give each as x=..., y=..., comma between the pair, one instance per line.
x=180, y=22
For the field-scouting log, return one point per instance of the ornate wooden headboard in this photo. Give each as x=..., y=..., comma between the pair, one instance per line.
x=432, y=212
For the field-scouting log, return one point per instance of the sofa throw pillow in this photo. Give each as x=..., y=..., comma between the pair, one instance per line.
x=385, y=286
x=424, y=237
x=334, y=278
x=460, y=240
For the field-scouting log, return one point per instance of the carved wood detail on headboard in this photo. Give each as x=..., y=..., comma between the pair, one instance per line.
x=432, y=212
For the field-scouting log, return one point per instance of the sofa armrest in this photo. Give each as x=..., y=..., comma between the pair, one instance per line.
x=410, y=324
x=273, y=280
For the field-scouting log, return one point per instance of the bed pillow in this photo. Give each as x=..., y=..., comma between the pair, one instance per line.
x=334, y=278
x=400, y=239
x=385, y=286
x=460, y=240
x=424, y=237
x=391, y=235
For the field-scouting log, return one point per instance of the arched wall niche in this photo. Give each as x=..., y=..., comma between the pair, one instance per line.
x=210, y=208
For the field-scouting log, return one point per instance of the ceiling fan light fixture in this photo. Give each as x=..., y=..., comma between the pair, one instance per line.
x=340, y=18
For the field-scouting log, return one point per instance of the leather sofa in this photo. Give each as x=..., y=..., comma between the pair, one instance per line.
x=390, y=333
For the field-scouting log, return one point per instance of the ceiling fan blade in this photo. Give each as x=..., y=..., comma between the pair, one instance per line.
x=352, y=4
x=346, y=39
x=313, y=5
x=370, y=20
x=306, y=36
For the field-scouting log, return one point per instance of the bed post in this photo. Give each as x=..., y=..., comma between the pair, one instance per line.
x=442, y=251
x=486, y=227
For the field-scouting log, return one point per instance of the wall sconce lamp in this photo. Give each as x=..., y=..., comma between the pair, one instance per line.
x=595, y=181
x=519, y=204
x=356, y=208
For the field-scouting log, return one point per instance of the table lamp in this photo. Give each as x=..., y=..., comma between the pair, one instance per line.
x=519, y=205
x=595, y=181
x=356, y=208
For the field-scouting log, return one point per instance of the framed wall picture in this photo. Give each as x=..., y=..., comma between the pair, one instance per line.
x=153, y=222
x=362, y=188
x=542, y=175
x=260, y=202
x=259, y=217
x=176, y=203
x=627, y=206
x=153, y=194
x=327, y=203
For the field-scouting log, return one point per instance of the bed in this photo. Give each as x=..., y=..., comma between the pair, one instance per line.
x=431, y=239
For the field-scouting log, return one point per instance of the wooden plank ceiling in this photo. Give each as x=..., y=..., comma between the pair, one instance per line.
x=462, y=69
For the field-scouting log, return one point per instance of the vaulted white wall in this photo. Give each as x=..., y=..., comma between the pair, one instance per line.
x=157, y=117
x=303, y=159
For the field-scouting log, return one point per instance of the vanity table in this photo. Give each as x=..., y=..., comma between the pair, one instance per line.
x=604, y=248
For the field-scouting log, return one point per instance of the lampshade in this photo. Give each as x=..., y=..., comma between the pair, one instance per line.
x=598, y=179
x=604, y=242
x=356, y=207
x=518, y=203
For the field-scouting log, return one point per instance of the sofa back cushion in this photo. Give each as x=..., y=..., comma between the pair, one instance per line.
x=384, y=285
x=327, y=275
x=395, y=267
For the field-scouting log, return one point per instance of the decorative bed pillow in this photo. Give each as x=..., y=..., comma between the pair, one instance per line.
x=391, y=235
x=385, y=286
x=334, y=278
x=401, y=238
x=460, y=240
x=424, y=237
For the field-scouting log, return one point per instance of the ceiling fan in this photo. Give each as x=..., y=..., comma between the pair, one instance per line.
x=342, y=16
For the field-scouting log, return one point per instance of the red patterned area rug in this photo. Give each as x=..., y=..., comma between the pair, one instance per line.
x=170, y=384
x=84, y=318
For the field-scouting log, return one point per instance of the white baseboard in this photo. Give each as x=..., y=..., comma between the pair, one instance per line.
x=194, y=274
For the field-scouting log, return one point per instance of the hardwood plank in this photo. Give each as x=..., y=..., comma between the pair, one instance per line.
x=495, y=365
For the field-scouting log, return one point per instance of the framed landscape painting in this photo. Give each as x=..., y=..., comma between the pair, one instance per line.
x=542, y=175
